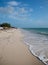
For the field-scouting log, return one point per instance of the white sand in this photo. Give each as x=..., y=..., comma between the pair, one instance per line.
x=13, y=51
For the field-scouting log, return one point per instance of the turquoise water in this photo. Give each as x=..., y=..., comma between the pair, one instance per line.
x=38, y=30
x=37, y=40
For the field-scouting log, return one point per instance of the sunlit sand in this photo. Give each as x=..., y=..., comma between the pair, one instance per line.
x=13, y=51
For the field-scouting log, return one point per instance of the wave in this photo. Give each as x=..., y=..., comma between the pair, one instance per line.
x=38, y=45
x=43, y=33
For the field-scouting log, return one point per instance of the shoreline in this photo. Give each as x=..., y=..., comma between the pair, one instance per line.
x=33, y=54
x=36, y=57
x=13, y=51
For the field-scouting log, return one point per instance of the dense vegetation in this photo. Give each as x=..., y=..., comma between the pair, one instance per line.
x=5, y=25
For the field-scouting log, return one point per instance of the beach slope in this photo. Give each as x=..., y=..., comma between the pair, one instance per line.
x=13, y=51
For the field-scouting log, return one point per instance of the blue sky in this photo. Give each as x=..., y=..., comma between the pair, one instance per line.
x=24, y=13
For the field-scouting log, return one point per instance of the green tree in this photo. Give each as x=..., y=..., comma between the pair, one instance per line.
x=5, y=25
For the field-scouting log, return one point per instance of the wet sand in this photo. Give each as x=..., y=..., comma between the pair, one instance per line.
x=13, y=51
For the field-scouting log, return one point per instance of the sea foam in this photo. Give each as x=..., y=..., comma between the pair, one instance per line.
x=38, y=44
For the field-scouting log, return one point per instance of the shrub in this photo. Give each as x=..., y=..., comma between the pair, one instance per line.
x=5, y=25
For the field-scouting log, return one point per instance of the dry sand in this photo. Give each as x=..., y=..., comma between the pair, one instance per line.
x=13, y=51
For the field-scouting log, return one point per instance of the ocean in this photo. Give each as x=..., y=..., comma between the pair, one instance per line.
x=37, y=40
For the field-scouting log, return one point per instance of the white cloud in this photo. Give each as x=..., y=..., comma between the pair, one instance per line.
x=14, y=3
x=20, y=13
x=23, y=10
x=31, y=10
x=6, y=10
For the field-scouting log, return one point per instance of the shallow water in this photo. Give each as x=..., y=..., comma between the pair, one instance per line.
x=38, y=44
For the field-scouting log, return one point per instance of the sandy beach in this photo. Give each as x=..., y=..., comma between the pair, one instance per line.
x=13, y=51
